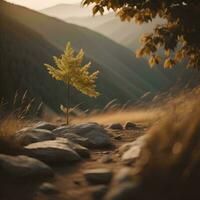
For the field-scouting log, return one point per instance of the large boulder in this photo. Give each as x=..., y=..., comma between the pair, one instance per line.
x=23, y=167
x=96, y=134
x=45, y=125
x=30, y=135
x=53, y=151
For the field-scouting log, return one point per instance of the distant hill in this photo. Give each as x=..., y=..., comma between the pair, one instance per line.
x=124, y=33
x=63, y=11
x=91, y=22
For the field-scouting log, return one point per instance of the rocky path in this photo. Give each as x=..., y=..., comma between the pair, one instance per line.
x=87, y=176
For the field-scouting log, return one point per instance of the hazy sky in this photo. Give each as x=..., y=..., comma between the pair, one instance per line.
x=40, y=4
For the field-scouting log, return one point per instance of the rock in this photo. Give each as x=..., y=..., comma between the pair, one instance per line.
x=130, y=126
x=132, y=154
x=48, y=188
x=96, y=134
x=23, y=167
x=106, y=159
x=53, y=151
x=131, y=151
x=123, y=191
x=30, y=135
x=45, y=125
x=98, y=192
x=116, y=126
x=82, y=151
x=140, y=141
x=76, y=139
x=98, y=176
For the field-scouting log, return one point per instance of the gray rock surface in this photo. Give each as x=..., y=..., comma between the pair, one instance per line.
x=30, y=135
x=53, y=151
x=96, y=134
x=131, y=151
x=76, y=139
x=82, y=151
x=23, y=167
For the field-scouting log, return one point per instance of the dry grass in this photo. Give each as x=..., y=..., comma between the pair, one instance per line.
x=8, y=127
x=147, y=116
x=170, y=161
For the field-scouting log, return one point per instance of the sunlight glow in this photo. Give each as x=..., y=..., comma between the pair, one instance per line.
x=38, y=4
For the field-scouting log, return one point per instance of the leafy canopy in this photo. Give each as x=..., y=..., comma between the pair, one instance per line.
x=179, y=35
x=69, y=70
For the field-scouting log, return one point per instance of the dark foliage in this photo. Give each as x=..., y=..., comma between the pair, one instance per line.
x=179, y=36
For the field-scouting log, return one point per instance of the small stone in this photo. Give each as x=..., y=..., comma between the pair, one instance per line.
x=98, y=176
x=98, y=192
x=130, y=126
x=132, y=154
x=116, y=126
x=48, y=188
x=82, y=151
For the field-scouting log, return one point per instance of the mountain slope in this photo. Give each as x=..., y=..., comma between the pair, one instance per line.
x=67, y=10
x=109, y=25
x=91, y=22
x=131, y=77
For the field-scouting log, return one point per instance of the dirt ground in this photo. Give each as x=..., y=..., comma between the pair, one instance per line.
x=69, y=179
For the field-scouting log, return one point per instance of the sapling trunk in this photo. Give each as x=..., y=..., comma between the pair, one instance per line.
x=68, y=102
